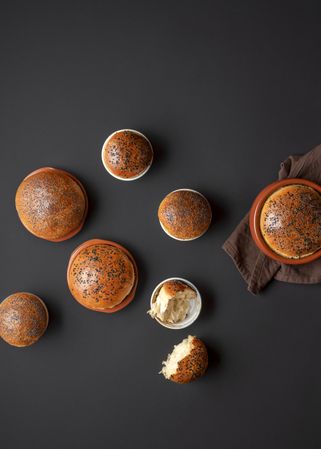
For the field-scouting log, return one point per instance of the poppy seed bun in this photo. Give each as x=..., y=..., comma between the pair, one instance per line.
x=127, y=154
x=187, y=362
x=51, y=204
x=290, y=221
x=185, y=214
x=101, y=275
x=23, y=319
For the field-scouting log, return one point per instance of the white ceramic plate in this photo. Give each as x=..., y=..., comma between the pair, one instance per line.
x=195, y=305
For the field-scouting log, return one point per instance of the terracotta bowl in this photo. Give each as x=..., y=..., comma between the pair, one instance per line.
x=255, y=215
x=73, y=232
x=129, y=297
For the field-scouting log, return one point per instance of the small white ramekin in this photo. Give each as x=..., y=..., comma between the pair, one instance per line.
x=195, y=305
x=176, y=238
x=105, y=165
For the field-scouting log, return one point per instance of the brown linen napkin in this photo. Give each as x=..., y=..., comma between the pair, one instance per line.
x=256, y=268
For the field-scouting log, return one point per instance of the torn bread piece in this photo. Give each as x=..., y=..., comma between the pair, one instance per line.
x=172, y=303
x=187, y=362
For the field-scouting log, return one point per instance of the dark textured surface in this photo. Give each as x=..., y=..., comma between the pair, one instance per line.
x=224, y=91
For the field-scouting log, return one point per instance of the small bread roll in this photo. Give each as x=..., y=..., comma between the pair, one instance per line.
x=187, y=362
x=127, y=154
x=23, y=319
x=290, y=221
x=172, y=302
x=185, y=214
x=51, y=204
x=100, y=276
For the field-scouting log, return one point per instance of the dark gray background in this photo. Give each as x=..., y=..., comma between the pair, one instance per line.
x=225, y=91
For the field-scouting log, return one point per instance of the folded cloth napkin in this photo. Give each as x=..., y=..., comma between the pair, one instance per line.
x=256, y=268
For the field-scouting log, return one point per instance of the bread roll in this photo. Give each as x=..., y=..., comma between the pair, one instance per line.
x=187, y=362
x=172, y=302
x=185, y=214
x=23, y=319
x=290, y=221
x=100, y=276
x=51, y=204
x=127, y=154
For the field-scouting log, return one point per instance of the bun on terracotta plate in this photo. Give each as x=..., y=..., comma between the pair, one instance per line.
x=102, y=275
x=290, y=221
x=52, y=204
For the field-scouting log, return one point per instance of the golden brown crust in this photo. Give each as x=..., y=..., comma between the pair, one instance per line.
x=173, y=287
x=193, y=365
x=290, y=221
x=23, y=319
x=127, y=154
x=51, y=204
x=185, y=214
x=101, y=276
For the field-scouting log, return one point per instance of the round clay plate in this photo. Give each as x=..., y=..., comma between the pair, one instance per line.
x=255, y=215
x=194, y=310
x=78, y=229
x=92, y=242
